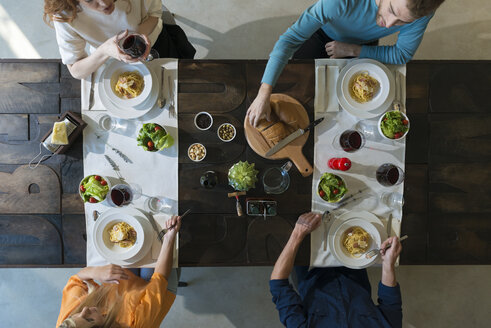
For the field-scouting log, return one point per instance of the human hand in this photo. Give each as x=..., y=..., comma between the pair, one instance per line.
x=172, y=226
x=261, y=106
x=307, y=223
x=110, y=274
x=336, y=49
x=147, y=50
x=110, y=48
x=390, y=255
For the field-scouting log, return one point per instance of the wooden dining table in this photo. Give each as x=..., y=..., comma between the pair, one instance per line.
x=447, y=184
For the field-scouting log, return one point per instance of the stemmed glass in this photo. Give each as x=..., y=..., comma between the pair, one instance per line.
x=135, y=45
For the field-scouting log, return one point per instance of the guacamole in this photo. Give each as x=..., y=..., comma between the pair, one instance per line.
x=331, y=188
x=153, y=137
x=394, y=125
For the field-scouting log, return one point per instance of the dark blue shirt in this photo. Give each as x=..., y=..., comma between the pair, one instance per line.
x=335, y=297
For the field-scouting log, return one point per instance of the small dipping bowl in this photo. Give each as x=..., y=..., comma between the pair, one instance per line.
x=201, y=119
x=189, y=155
x=224, y=125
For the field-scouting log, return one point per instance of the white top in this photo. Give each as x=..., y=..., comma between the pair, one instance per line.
x=95, y=28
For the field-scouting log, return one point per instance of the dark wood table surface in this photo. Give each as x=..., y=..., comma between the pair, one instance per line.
x=447, y=186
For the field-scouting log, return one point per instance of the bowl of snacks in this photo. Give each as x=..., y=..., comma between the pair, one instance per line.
x=331, y=188
x=226, y=132
x=196, y=152
x=153, y=137
x=203, y=121
x=393, y=125
x=94, y=188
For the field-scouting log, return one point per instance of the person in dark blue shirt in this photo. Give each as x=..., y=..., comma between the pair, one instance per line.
x=334, y=297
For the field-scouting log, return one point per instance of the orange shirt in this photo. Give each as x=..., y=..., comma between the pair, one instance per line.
x=145, y=304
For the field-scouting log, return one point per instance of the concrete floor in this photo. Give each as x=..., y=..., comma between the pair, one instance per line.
x=433, y=296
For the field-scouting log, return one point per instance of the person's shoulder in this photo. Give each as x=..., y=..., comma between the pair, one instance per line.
x=336, y=7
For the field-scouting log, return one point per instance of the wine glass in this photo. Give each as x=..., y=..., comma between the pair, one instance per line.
x=123, y=194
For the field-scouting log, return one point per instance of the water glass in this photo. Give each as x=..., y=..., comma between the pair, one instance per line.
x=276, y=180
x=113, y=124
x=158, y=204
x=393, y=200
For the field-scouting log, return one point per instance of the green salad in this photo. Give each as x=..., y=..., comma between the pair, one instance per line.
x=93, y=189
x=394, y=125
x=331, y=188
x=242, y=176
x=153, y=137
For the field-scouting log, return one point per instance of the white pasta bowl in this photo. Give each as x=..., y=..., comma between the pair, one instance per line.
x=112, y=251
x=375, y=71
x=110, y=78
x=342, y=254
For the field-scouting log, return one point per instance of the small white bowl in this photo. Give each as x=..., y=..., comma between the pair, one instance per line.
x=218, y=132
x=380, y=129
x=104, y=178
x=347, y=190
x=196, y=118
x=189, y=148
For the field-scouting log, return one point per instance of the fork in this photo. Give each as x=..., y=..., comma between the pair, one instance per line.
x=375, y=252
x=171, y=97
x=162, y=232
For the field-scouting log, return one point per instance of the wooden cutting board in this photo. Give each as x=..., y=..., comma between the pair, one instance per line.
x=293, y=151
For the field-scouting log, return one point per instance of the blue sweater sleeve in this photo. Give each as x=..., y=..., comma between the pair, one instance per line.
x=310, y=21
x=288, y=304
x=390, y=304
x=410, y=36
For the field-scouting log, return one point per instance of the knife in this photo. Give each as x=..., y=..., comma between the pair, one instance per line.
x=292, y=137
x=389, y=225
x=162, y=99
x=91, y=95
x=154, y=225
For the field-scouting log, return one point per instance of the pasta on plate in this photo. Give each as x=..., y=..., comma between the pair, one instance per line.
x=363, y=87
x=122, y=234
x=129, y=85
x=356, y=241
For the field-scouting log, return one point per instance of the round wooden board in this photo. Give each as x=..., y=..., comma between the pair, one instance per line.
x=293, y=150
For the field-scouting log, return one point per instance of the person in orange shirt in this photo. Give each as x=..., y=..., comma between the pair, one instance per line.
x=123, y=299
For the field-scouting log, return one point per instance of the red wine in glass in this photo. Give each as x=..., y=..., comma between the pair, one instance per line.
x=120, y=195
x=351, y=140
x=389, y=175
x=134, y=45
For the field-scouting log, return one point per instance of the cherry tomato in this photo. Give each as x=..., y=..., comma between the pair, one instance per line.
x=157, y=128
x=150, y=144
x=92, y=200
x=397, y=135
x=103, y=182
x=322, y=193
x=82, y=188
x=405, y=122
x=335, y=191
x=98, y=178
x=385, y=118
x=150, y=148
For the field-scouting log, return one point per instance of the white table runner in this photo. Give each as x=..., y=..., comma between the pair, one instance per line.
x=155, y=172
x=364, y=161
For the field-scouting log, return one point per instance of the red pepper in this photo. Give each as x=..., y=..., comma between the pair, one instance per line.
x=344, y=164
x=397, y=135
x=405, y=122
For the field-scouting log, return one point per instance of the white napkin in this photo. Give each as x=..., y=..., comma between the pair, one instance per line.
x=332, y=73
x=320, y=82
x=160, y=221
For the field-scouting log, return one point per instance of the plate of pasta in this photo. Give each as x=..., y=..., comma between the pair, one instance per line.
x=122, y=236
x=365, y=88
x=352, y=235
x=127, y=85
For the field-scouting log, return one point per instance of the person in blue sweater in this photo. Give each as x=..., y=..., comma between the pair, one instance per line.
x=346, y=28
x=337, y=296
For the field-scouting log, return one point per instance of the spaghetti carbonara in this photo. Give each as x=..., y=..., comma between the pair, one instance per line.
x=129, y=85
x=356, y=241
x=363, y=87
x=122, y=234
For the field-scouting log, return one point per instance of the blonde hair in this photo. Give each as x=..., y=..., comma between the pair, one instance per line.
x=65, y=11
x=99, y=298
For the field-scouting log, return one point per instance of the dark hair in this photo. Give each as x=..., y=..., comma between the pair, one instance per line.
x=420, y=8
